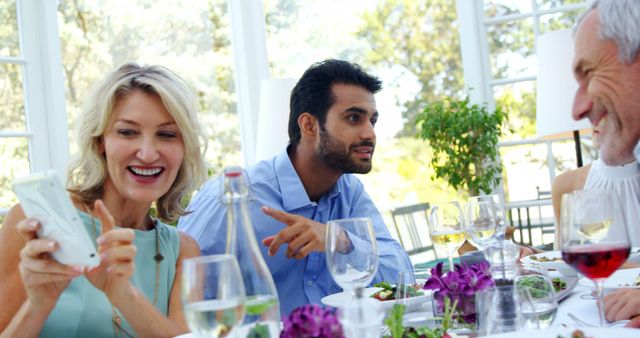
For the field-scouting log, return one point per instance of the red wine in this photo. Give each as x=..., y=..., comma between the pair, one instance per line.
x=597, y=260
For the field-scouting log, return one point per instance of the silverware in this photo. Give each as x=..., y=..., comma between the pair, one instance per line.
x=583, y=323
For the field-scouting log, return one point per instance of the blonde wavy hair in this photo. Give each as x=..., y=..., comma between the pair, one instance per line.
x=88, y=170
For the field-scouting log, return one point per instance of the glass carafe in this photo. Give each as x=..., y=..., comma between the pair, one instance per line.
x=262, y=306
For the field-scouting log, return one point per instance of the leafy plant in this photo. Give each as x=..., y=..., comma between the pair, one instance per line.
x=464, y=139
x=394, y=322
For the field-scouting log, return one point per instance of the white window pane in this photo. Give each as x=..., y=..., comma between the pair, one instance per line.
x=505, y=7
x=558, y=21
x=15, y=163
x=519, y=101
x=548, y=4
x=525, y=168
x=511, y=49
x=9, y=45
x=12, y=116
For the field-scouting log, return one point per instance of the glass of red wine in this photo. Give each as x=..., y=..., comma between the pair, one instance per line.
x=593, y=236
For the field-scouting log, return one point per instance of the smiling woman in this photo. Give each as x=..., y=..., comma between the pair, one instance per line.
x=140, y=144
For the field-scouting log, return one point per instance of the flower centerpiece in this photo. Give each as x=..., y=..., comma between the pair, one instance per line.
x=312, y=320
x=459, y=287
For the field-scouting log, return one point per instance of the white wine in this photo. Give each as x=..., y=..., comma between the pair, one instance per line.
x=449, y=241
x=482, y=234
x=594, y=231
x=214, y=318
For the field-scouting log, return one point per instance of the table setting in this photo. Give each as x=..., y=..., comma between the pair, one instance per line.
x=489, y=293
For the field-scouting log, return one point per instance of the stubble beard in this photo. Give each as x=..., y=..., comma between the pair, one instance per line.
x=332, y=153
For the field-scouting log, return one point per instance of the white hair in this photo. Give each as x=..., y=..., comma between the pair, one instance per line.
x=620, y=22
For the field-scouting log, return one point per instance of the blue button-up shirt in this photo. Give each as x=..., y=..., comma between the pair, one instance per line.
x=276, y=184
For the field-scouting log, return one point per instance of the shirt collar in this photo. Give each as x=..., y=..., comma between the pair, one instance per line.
x=292, y=191
x=294, y=196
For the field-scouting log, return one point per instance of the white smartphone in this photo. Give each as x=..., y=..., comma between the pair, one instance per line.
x=43, y=197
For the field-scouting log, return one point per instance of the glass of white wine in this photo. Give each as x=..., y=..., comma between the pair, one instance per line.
x=447, y=228
x=213, y=295
x=481, y=222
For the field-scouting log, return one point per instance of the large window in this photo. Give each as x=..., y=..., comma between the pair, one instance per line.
x=507, y=31
x=31, y=98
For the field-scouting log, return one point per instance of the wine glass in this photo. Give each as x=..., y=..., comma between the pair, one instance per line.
x=446, y=228
x=538, y=304
x=481, y=222
x=213, y=294
x=351, y=253
x=499, y=212
x=594, y=236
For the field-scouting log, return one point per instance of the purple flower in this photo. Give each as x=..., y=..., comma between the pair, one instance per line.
x=459, y=285
x=312, y=320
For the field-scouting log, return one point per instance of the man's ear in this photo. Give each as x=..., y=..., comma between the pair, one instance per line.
x=308, y=125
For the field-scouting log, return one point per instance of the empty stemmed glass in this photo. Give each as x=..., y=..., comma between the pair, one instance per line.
x=594, y=236
x=501, y=225
x=213, y=294
x=351, y=253
x=446, y=228
x=481, y=222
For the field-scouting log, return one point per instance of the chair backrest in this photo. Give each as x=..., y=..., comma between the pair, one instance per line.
x=412, y=228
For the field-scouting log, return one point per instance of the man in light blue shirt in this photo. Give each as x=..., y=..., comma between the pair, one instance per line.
x=331, y=136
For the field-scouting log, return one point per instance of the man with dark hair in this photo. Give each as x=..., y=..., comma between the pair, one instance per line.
x=331, y=135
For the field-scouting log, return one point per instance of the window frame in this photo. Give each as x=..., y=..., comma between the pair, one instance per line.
x=43, y=86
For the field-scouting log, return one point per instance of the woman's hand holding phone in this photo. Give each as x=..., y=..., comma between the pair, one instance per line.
x=43, y=277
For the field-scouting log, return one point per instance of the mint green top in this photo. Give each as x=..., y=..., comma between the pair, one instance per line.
x=84, y=311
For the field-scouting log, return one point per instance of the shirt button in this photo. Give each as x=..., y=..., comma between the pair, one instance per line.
x=309, y=283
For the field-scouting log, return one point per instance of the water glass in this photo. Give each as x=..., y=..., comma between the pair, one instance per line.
x=501, y=224
x=537, y=298
x=361, y=318
x=481, y=222
x=213, y=295
x=500, y=310
x=351, y=253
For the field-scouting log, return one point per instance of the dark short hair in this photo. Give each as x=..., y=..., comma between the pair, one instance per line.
x=313, y=92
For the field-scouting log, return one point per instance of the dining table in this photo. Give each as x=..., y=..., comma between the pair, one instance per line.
x=579, y=302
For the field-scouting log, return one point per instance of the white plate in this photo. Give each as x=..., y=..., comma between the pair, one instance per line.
x=619, y=279
x=571, y=284
x=339, y=299
x=595, y=332
x=556, y=264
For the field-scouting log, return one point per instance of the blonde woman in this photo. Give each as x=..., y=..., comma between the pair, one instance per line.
x=140, y=144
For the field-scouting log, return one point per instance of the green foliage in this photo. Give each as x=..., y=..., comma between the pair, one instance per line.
x=422, y=38
x=394, y=321
x=400, y=175
x=259, y=331
x=397, y=330
x=464, y=140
